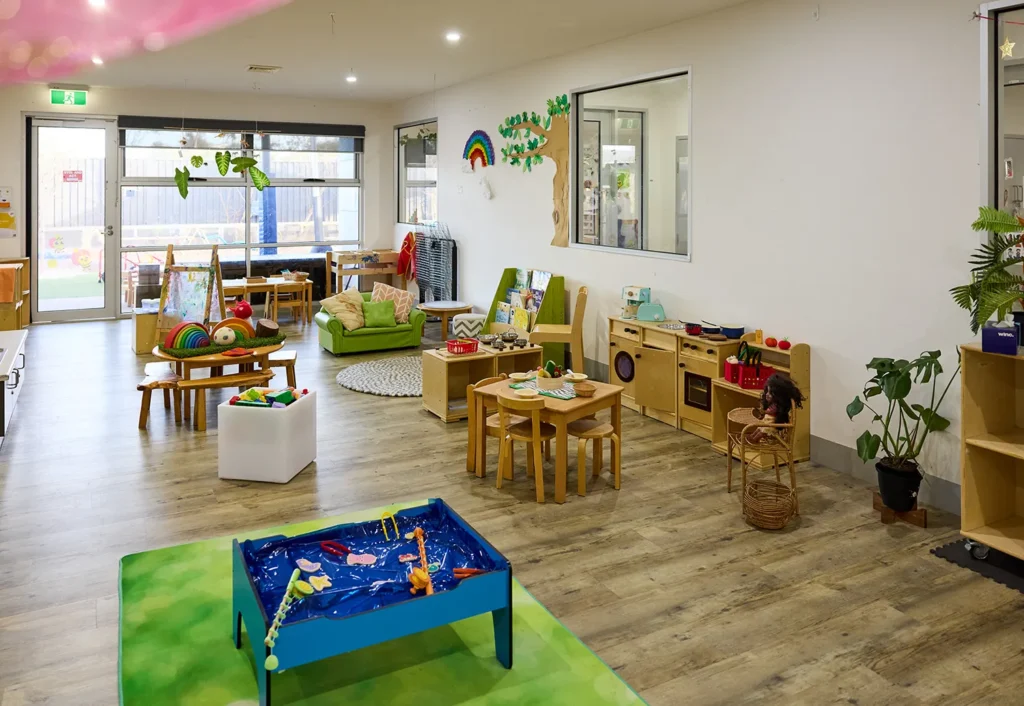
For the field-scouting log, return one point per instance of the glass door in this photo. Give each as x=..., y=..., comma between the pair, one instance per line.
x=75, y=223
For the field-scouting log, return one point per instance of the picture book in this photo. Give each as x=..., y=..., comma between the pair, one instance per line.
x=503, y=313
x=515, y=300
x=526, y=299
x=521, y=319
x=536, y=297
x=540, y=280
x=533, y=319
x=523, y=278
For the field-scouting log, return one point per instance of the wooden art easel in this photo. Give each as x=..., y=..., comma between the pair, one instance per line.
x=172, y=279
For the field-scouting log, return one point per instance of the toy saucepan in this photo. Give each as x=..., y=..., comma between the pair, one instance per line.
x=732, y=330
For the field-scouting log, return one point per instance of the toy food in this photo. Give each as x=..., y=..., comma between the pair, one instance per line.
x=785, y=345
x=224, y=336
x=771, y=342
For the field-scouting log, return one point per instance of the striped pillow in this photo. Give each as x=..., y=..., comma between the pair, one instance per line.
x=401, y=298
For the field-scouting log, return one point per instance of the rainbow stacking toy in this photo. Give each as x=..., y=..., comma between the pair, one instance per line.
x=187, y=334
x=241, y=327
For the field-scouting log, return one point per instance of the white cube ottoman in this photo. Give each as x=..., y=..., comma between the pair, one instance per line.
x=468, y=325
x=271, y=445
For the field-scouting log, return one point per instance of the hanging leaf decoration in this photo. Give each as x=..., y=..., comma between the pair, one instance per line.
x=197, y=161
x=181, y=179
x=259, y=179
x=242, y=163
x=223, y=160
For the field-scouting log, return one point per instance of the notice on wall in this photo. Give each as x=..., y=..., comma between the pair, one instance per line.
x=72, y=176
x=7, y=225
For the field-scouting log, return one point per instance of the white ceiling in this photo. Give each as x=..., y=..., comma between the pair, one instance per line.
x=395, y=47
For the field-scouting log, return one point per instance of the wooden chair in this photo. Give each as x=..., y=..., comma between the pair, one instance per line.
x=563, y=333
x=533, y=431
x=159, y=376
x=491, y=426
x=286, y=360
x=290, y=295
x=257, y=378
x=585, y=430
x=774, y=439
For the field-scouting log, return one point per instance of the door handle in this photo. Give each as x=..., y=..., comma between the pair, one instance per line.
x=108, y=231
x=682, y=365
x=612, y=344
x=17, y=379
x=22, y=366
x=637, y=356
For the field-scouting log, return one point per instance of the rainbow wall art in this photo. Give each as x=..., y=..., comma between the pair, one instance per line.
x=187, y=335
x=479, y=148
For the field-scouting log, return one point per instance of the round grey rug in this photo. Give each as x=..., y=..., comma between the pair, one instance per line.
x=388, y=377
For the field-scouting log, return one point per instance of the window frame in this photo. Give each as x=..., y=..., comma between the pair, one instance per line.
x=575, y=196
x=243, y=182
x=400, y=184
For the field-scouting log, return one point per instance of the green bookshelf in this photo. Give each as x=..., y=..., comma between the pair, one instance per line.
x=551, y=311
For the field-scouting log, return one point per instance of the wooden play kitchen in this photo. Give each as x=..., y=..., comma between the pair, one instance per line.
x=678, y=378
x=446, y=375
x=992, y=451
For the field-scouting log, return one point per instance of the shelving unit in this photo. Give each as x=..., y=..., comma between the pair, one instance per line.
x=446, y=375
x=992, y=449
x=551, y=311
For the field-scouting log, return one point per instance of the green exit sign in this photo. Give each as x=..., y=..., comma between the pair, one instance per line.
x=61, y=97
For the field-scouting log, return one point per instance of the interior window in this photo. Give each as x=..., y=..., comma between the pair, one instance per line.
x=417, y=173
x=632, y=166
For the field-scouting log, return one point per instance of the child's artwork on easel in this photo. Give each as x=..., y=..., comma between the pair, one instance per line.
x=189, y=293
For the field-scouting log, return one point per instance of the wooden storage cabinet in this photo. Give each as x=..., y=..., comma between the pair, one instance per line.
x=12, y=374
x=992, y=449
x=654, y=388
x=446, y=376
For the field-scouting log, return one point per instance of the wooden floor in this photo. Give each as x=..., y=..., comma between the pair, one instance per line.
x=663, y=580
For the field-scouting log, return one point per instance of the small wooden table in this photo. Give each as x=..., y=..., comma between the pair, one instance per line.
x=185, y=366
x=243, y=288
x=556, y=412
x=446, y=310
x=446, y=375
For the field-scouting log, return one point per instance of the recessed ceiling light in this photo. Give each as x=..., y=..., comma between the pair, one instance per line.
x=351, y=78
x=453, y=37
x=98, y=61
x=98, y=4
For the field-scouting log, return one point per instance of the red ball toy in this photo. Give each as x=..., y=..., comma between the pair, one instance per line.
x=243, y=309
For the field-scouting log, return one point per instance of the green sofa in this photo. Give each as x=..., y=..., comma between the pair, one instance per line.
x=334, y=338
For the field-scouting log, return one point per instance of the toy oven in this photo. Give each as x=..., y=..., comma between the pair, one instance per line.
x=697, y=391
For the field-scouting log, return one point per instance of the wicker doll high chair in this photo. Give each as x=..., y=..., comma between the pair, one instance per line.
x=774, y=439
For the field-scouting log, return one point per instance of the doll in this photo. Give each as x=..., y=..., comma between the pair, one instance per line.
x=778, y=398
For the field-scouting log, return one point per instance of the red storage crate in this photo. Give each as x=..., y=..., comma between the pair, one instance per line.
x=458, y=346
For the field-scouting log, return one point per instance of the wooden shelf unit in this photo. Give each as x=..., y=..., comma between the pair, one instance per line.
x=359, y=263
x=25, y=309
x=446, y=375
x=992, y=449
x=551, y=311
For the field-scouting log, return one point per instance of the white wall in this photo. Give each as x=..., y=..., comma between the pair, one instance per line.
x=378, y=164
x=834, y=175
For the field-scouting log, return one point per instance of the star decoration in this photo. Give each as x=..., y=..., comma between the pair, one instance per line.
x=319, y=583
x=1007, y=48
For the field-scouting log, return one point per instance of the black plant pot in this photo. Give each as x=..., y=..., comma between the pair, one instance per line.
x=898, y=487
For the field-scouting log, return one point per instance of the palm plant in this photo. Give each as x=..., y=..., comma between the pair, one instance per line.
x=993, y=289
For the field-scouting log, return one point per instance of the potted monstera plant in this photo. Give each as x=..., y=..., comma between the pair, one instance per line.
x=904, y=424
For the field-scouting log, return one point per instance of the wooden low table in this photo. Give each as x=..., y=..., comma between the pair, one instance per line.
x=245, y=289
x=446, y=310
x=218, y=361
x=556, y=412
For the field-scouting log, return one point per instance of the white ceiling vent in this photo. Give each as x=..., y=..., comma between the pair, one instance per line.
x=260, y=69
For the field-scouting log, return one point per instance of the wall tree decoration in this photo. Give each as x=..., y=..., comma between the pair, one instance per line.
x=532, y=138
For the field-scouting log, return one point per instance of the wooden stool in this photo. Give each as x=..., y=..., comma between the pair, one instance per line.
x=585, y=430
x=159, y=376
x=295, y=298
x=258, y=378
x=286, y=360
x=533, y=431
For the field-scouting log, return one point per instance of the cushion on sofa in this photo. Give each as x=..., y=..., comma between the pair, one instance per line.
x=401, y=298
x=347, y=308
x=379, y=314
x=367, y=331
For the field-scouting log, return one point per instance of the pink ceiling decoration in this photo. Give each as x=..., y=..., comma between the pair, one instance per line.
x=48, y=39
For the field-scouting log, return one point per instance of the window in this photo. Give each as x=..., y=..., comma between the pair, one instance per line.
x=313, y=204
x=631, y=166
x=417, y=172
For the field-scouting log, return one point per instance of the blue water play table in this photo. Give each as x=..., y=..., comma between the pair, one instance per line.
x=366, y=605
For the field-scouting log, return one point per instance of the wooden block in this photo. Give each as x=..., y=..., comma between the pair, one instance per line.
x=265, y=328
x=917, y=516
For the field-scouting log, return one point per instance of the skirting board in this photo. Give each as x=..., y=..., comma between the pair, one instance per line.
x=935, y=492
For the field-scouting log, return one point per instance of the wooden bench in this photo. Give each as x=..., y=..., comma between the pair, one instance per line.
x=257, y=378
x=286, y=360
x=159, y=376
